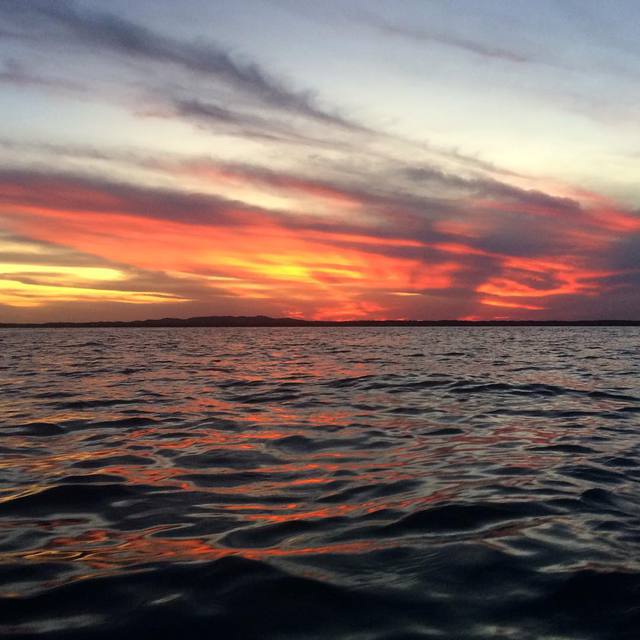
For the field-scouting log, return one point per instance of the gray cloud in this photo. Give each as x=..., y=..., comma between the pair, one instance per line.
x=238, y=123
x=627, y=253
x=400, y=215
x=87, y=194
x=65, y=22
x=422, y=34
x=16, y=74
x=493, y=188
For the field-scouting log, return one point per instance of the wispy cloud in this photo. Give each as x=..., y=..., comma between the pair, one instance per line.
x=230, y=121
x=239, y=98
x=14, y=73
x=66, y=22
x=428, y=35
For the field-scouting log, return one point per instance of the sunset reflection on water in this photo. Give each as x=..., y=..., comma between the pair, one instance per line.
x=346, y=456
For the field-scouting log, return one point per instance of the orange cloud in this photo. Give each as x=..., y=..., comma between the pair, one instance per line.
x=260, y=261
x=509, y=305
x=245, y=178
x=299, y=264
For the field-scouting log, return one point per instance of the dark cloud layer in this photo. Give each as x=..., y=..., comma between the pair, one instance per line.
x=494, y=188
x=24, y=188
x=508, y=221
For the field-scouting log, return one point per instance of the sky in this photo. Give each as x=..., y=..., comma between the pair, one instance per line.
x=423, y=159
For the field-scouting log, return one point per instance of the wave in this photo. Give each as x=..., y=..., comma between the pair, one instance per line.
x=327, y=483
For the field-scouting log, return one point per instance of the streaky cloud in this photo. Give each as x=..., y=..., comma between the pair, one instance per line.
x=16, y=74
x=426, y=35
x=496, y=188
x=132, y=224
x=230, y=121
x=33, y=189
x=100, y=31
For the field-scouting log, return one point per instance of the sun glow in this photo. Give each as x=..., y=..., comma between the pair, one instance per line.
x=70, y=273
x=20, y=294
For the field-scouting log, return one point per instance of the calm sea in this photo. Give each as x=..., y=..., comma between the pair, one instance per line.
x=360, y=483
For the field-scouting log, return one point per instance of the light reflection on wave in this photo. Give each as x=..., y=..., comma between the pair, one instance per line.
x=458, y=481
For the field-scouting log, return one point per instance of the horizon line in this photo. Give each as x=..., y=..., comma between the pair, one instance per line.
x=286, y=321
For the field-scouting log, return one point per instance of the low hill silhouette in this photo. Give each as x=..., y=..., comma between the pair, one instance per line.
x=266, y=321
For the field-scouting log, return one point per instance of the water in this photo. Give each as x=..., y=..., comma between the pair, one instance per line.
x=320, y=483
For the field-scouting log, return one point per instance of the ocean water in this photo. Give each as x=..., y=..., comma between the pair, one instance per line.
x=360, y=483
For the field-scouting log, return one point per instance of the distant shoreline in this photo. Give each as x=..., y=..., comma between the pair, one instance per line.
x=265, y=321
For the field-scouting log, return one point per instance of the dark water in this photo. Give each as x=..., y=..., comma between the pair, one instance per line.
x=320, y=483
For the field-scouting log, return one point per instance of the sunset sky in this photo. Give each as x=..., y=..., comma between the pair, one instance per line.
x=329, y=160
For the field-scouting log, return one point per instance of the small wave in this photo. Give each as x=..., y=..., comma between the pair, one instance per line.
x=38, y=429
x=285, y=484
x=465, y=517
x=65, y=498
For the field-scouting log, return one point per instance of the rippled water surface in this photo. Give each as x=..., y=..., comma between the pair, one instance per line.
x=320, y=483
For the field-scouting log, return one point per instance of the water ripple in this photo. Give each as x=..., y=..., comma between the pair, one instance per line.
x=360, y=483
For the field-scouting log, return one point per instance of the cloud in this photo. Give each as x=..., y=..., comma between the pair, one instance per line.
x=241, y=98
x=340, y=224
x=245, y=252
x=627, y=253
x=16, y=74
x=534, y=200
x=222, y=119
x=39, y=191
x=41, y=195
x=35, y=274
x=488, y=217
x=210, y=243
x=97, y=31
x=426, y=35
